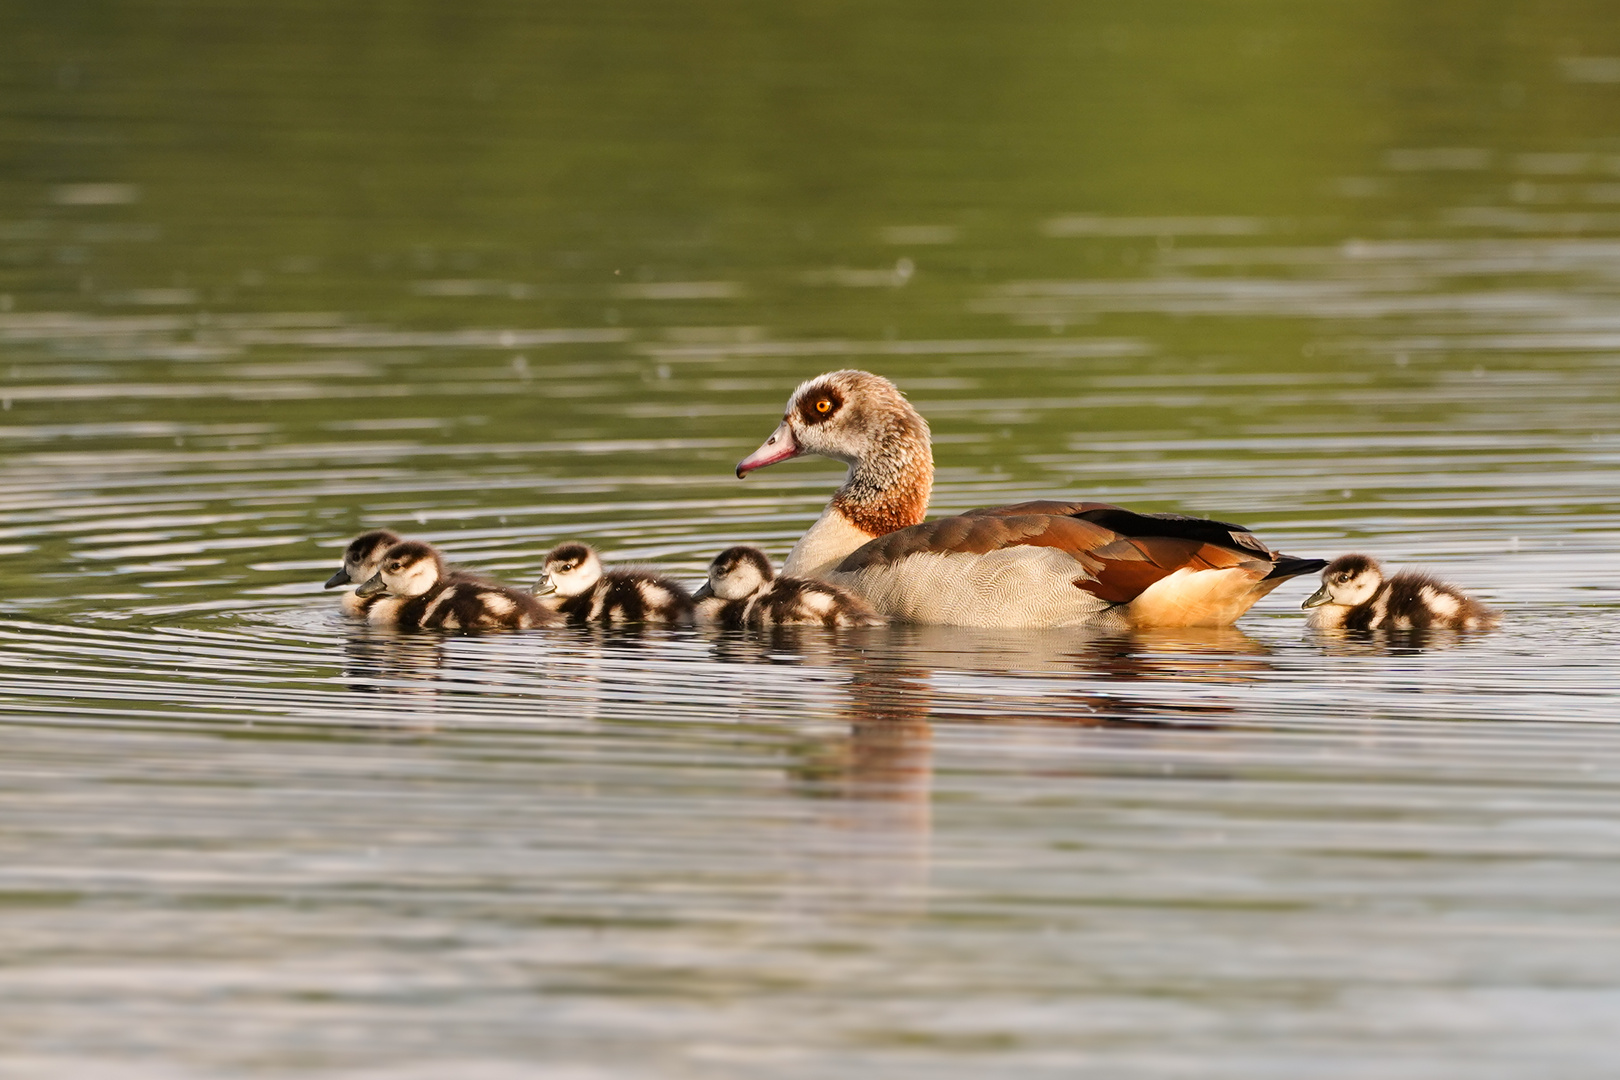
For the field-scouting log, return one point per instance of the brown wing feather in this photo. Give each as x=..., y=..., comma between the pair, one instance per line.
x=1130, y=565
x=975, y=534
x=1053, y=507
x=1130, y=523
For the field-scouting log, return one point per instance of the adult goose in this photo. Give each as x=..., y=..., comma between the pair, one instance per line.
x=1034, y=564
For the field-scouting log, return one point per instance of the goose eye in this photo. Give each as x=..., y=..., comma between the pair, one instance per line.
x=823, y=405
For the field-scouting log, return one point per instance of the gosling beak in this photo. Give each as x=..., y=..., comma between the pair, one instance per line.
x=704, y=591
x=371, y=586
x=544, y=587
x=339, y=578
x=1317, y=598
x=779, y=447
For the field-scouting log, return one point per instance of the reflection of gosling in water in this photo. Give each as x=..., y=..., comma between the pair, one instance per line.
x=743, y=590
x=573, y=584
x=412, y=588
x=1355, y=595
x=360, y=561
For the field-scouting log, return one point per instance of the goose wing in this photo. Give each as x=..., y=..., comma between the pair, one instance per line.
x=1118, y=554
x=1130, y=523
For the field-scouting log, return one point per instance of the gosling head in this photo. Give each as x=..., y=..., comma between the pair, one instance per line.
x=1348, y=581
x=849, y=416
x=361, y=557
x=570, y=570
x=738, y=573
x=407, y=569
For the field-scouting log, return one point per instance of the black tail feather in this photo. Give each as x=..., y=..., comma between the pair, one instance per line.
x=1288, y=566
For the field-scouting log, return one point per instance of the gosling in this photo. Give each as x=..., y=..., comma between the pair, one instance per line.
x=412, y=587
x=744, y=591
x=360, y=561
x=574, y=585
x=1355, y=595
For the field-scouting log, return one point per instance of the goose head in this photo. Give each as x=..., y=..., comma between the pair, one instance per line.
x=407, y=569
x=1348, y=581
x=361, y=557
x=736, y=574
x=851, y=416
x=570, y=570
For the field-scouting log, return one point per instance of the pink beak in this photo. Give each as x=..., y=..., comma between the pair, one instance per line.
x=779, y=447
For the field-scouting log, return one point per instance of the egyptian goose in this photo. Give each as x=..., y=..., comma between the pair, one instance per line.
x=412, y=587
x=573, y=583
x=743, y=590
x=360, y=561
x=1355, y=595
x=1048, y=563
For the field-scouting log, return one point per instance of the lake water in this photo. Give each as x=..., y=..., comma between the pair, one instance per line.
x=506, y=275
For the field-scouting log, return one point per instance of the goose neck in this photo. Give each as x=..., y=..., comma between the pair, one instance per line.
x=889, y=491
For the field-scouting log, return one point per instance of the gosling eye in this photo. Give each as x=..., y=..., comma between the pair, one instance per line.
x=824, y=405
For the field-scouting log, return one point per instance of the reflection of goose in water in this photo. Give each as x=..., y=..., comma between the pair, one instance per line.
x=873, y=783
x=385, y=662
x=871, y=787
x=1021, y=676
x=622, y=669
x=1388, y=642
x=871, y=792
x=977, y=676
x=791, y=645
x=1213, y=652
x=1035, y=564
